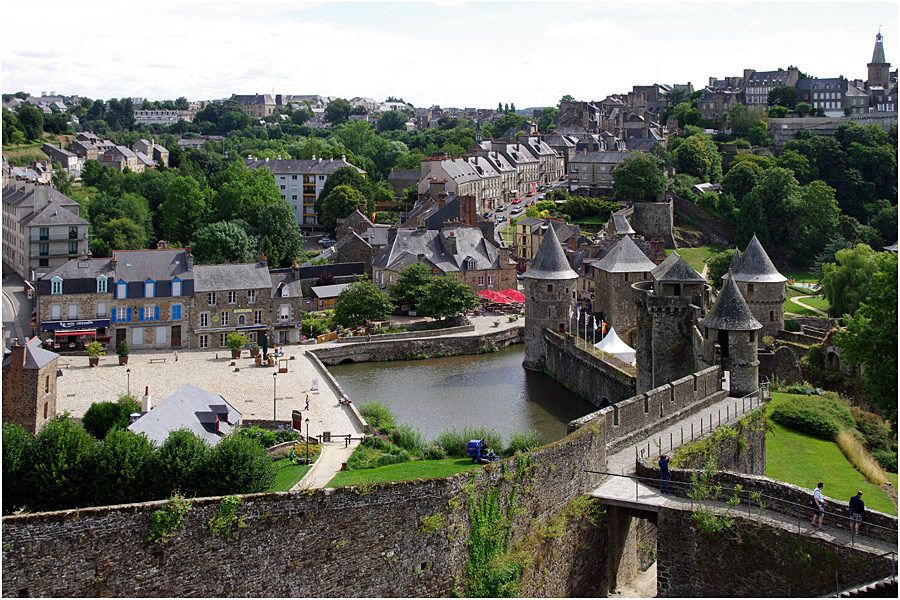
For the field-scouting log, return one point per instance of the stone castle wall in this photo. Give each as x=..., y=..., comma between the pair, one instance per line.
x=597, y=381
x=654, y=220
x=714, y=231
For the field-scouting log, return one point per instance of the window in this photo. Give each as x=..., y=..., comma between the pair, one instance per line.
x=149, y=288
x=42, y=262
x=176, y=287
x=73, y=247
x=549, y=288
x=44, y=233
x=225, y=318
x=55, y=311
x=549, y=311
x=101, y=284
x=251, y=296
x=771, y=316
x=232, y=297
x=137, y=336
x=101, y=309
x=203, y=341
x=46, y=408
x=257, y=317
x=204, y=319
x=285, y=312
x=753, y=336
x=46, y=391
x=176, y=312
x=481, y=280
x=121, y=289
x=56, y=285
x=293, y=177
x=211, y=298
x=222, y=337
x=73, y=311
x=749, y=289
x=284, y=292
x=242, y=320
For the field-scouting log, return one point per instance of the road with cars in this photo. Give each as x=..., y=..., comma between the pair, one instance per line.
x=503, y=214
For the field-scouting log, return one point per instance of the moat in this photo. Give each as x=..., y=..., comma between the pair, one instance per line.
x=490, y=390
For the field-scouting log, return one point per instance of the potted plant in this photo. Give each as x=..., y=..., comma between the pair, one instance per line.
x=254, y=349
x=95, y=350
x=122, y=350
x=235, y=341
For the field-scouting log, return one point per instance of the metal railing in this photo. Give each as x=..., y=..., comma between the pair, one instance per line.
x=764, y=504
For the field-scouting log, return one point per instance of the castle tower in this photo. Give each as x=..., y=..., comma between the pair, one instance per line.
x=549, y=293
x=761, y=285
x=29, y=385
x=668, y=308
x=730, y=339
x=616, y=272
x=879, y=68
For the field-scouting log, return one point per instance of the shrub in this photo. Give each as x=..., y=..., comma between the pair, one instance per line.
x=378, y=416
x=235, y=341
x=123, y=468
x=59, y=462
x=376, y=452
x=237, y=465
x=266, y=438
x=791, y=325
x=876, y=431
x=101, y=417
x=15, y=449
x=454, y=441
x=408, y=438
x=122, y=348
x=523, y=441
x=433, y=452
x=179, y=463
x=95, y=349
x=820, y=416
x=887, y=459
x=165, y=521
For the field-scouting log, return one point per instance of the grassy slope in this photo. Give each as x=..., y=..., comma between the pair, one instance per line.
x=804, y=460
x=287, y=474
x=697, y=257
x=801, y=276
x=418, y=469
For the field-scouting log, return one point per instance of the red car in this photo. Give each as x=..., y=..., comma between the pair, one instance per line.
x=517, y=201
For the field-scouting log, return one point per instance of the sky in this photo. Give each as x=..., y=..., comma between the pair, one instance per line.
x=450, y=52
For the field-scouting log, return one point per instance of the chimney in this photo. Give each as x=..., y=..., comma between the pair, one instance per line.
x=113, y=262
x=146, y=401
x=162, y=245
x=450, y=241
x=217, y=424
x=188, y=258
x=17, y=358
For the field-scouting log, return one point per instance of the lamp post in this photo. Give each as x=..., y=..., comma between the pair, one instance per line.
x=307, y=440
x=274, y=397
x=128, y=372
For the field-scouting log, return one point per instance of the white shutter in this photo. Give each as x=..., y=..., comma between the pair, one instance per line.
x=137, y=336
x=160, y=335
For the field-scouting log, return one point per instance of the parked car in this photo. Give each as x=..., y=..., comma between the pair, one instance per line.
x=326, y=242
x=517, y=201
x=500, y=218
x=516, y=210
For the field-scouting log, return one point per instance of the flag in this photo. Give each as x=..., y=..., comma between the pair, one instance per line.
x=596, y=325
x=603, y=330
x=570, y=311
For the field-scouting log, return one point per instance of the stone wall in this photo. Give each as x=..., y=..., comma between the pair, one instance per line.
x=408, y=335
x=715, y=231
x=337, y=390
x=654, y=220
x=394, y=539
x=782, y=364
x=377, y=351
x=752, y=559
x=597, y=381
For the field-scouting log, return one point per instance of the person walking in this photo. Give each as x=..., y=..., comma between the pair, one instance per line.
x=857, y=511
x=307, y=403
x=664, y=474
x=818, y=505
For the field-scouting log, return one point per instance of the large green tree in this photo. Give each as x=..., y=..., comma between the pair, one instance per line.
x=280, y=234
x=59, y=464
x=185, y=210
x=765, y=209
x=123, y=468
x=699, y=157
x=237, y=465
x=741, y=178
x=32, y=119
x=338, y=111
x=343, y=176
x=16, y=442
x=410, y=285
x=639, y=178
x=243, y=193
x=223, y=242
x=359, y=302
x=102, y=417
x=339, y=204
x=179, y=464
x=783, y=95
x=446, y=296
x=393, y=120
x=812, y=220
x=846, y=281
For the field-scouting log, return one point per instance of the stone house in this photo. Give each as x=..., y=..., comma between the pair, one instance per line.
x=579, y=114
x=564, y=146
x=84, y=150
x=400, y=179
x=256, y=105
x=29, y=385
x=70, y=162
x=156, y=152
x=121, y=158
x=761, y=285
x=434, y=212
x=509, y=176
x=208, y=416
x=359, y=240
x=530, y=231
x=551, y=164
x=42, y=228
x=594, y=170
x=714, y=103
x=325, y=296
x=527, y=166
x=455, y=176
x=230, y=298
x=758, y=84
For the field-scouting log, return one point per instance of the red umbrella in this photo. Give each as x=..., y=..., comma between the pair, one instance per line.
x=494, y=296
x=514, y=295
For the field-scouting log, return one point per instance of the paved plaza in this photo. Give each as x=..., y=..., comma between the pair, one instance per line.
x=250, y=390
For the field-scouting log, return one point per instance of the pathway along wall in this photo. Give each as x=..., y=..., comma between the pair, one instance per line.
x=400, y=539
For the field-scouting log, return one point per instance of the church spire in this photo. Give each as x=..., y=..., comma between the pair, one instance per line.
x=878, y=53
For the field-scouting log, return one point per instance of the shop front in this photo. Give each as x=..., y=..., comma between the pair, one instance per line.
x=73, y=336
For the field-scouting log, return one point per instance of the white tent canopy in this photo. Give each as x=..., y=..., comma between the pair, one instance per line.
x=613, y=344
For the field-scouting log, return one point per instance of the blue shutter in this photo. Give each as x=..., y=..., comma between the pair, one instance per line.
x=156, y=313
x=112, y=315
x=141, y=313
x=128, y=314
x=176, y=312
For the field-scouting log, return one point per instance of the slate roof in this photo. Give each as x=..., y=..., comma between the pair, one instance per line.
x=35, y=356
x=241, y=276
x=730, y=311
x=625, y=257
x=328, y=291
x=301, y=167
x=377, y=235
x=53, y=214
x=735, y=265
x=432, y=244
x=404, y=175
x=158, y=265
x=609, y=157
x=675, y=270
x=878, y=53
x=621, y=225
x=550, y=262
x=190, y=408
x=23, y=197
x=756, y=267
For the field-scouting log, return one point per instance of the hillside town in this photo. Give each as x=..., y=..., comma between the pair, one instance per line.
x=624, y=338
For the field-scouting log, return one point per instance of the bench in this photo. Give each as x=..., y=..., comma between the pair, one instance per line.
x=157, y=360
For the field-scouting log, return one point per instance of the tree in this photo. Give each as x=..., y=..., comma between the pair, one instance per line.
x=778, y=112
x=359, y=302
x=62, y=181
x=410, y=285
x=846, y=281
x=244, y=192
x=277, y=227
x=813, y=217
x=343, y=176
x=237, y=465
x=741, y=178
x=687, y=114
x=338, y=111
x=446, y=296
x=803, y=109
x=101, y=417
x=301, y=115
x=393, y=120
x=339, y=204
x=15, y=450
x=738, y=119
x=882, y=215
x=58, y=463
x=797, y=163
x=877, y=165
x=698, y=156
x=179, y=464
x=783, y=95
x=870, y=338
x=547, y=121
x=32, y=120
x=717, y=265
x=223, y=242
x=123, y=468
x=638, y=178
x=766, y=209
x=758, y=134
x=122, y=234
x=185, y=210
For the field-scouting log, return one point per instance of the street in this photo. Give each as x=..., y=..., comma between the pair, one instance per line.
x=17, y=307
x=506, y=210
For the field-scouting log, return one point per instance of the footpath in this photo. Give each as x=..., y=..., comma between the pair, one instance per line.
x=326, y=466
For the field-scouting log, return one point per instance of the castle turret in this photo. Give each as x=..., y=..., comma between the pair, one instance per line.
x=762, y=287
x=879, y=68
x=549, y=293
x=668, y=308
x=730, y=334
x=616, y=272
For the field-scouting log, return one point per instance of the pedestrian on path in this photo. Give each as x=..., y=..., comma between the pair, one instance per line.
x=857, y=511
x=818, y=505
x=664, y=474
x=307, y=402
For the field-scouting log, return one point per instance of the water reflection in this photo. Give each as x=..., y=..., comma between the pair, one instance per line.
x=491, y=390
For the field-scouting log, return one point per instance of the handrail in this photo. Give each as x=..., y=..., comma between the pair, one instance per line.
x=805, y=507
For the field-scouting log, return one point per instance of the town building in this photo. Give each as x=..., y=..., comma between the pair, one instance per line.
x=401, y=179
x=156, y=152
x=206, y=415
x=301, y=181
x=714, y=103
x=879, y=70
x=529, y=232
x=579, y=114
x=121, y=158
x=162, y=117
x=614, y=298
x=230, y=298
x=41, y=228
x=455, y=176
x=528, y=167
x=761, y=285
x=758, y=84
x=325, y=296
x=256, y=105
x=29, y=385
x=70, y=162
x=551, y=165
x=593, y=171
x=831, y=95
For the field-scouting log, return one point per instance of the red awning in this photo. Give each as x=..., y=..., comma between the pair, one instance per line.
x=76, y=332
x=514, y=295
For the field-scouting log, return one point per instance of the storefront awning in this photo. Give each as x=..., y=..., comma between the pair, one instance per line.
x=60, y=333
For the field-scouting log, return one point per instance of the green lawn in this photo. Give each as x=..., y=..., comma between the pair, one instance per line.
x=817, y=302
x=287, y=474
x=800, y=276
x=697, y=257
x=417, y=469
x=803, y=460
x=796, y=309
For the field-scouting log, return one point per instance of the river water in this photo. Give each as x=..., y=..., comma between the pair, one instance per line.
x=485, y=390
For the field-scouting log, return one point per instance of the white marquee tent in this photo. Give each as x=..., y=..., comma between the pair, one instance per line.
x=613, y=344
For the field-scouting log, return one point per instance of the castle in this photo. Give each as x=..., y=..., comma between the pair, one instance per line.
x=678, y=323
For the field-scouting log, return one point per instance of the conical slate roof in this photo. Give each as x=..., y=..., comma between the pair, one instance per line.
x=730, y=312
x=735, y=266
x=756, y=266
x=550, y=261
x=625, y=257
x=878, y=54
x=675, y=270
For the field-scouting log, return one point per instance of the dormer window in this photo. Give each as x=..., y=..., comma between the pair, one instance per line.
x=121, y=289
x=176, y=287
x=101, y=284
x=470, y=264
x=56, y=285
x=149, y=288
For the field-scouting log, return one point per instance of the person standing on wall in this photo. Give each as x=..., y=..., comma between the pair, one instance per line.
x=818, y=505
x=857, y=511
x=664, y=474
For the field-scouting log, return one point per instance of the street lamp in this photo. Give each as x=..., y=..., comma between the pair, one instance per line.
x=307, y=440
x=128, y=372
x=274, y=398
